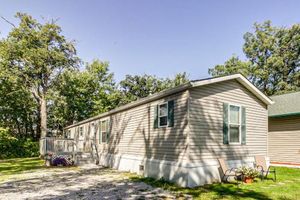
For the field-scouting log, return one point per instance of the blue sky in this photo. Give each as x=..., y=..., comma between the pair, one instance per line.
x=160, y=37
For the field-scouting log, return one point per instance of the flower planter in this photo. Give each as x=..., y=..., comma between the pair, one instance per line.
x=248, y=173
x=248, y=180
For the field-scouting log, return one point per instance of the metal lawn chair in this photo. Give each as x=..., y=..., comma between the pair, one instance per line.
x=261, y=165
x=228, y=172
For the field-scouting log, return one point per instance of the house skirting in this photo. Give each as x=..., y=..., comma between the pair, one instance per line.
x=183, y=173
x=285, y=164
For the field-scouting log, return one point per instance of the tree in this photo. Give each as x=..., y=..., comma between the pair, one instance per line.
x=259, y=48
x=179, y=79
x=231, y=66
x=37, y=53
x=17, y=108
x=273, y=58
x=78, y=95
x=135, y=87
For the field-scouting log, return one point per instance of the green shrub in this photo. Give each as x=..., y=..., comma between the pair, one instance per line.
x=12, y=147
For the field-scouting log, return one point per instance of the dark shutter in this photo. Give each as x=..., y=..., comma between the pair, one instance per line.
x=108, y=130
x=155, y=122
x=243, y=128
x=171, y=113
x=225, y=123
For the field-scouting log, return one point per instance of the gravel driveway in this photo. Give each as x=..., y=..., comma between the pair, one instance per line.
x=83, y=183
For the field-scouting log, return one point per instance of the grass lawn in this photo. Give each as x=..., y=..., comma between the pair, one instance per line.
x=287, y=187
x=16, y=166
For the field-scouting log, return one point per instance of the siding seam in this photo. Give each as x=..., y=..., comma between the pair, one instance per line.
x=188, y=132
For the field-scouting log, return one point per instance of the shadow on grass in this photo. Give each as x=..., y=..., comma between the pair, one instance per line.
x=214, y=191
x=15, y=166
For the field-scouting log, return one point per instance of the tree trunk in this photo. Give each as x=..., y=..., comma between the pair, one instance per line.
x=38, y=123
x=43, y=115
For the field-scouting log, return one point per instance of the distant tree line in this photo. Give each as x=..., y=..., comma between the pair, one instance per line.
x=45, y=86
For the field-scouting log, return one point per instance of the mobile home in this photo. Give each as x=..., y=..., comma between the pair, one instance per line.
x=179, y=133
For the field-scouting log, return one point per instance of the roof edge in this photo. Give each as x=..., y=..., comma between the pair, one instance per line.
x=138, y=102
x=244, y=81
x=285, y=115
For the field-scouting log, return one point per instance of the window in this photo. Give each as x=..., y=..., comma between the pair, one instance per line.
x=234, y=124
x=163, y=115
x=68, y=134
x=93, y=131
x=81, y=131
x=104, y=132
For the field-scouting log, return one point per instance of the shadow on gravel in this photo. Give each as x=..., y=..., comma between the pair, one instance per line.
x=86, y=184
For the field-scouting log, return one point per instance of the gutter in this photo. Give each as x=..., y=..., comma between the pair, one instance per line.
x=138, y=102
x=285, y=115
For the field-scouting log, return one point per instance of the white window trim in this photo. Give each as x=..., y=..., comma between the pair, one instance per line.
x=69, y=134
x=159, y=126
x=240, y=124
x=81, y=128
x=101, y=132
x=92, y=130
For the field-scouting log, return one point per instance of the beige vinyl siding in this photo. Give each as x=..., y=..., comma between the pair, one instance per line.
x=132, y=132
x=206, y=122
x=197, y=134
x=284, y=139
x=73, y=134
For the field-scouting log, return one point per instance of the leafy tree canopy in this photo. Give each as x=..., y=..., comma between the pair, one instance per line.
x=135, y=87
x=37, y=53
x=82, y=94
x=272, y=59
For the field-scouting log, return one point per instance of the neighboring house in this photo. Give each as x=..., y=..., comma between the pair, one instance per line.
x=284, y=129
x=179, y=133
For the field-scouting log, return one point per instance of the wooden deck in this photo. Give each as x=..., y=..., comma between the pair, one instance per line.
x=65, y=146
x=57, y=146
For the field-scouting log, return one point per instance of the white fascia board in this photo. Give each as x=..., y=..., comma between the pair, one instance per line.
x=241, y=79
x=254, y=90
x=138, y=102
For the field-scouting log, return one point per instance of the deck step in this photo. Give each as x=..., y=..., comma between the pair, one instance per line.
x=85, y=155
x=83, y=162
x=85, y=158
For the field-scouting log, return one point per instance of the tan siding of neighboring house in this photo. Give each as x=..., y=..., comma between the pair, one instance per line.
x=284, y=139
x=132, y=132
x=206, y=122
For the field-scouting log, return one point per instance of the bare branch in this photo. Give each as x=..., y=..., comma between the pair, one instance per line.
x=8, y=21
x=35, y=95
x=50, y=21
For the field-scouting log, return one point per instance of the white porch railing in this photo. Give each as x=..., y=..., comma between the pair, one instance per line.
x=57, y=146
x=61, y=146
